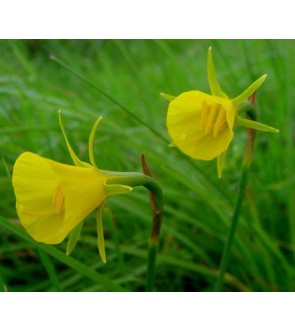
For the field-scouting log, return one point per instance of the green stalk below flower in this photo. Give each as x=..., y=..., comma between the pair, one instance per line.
x=227, y=248
x=138, y=179
x=251, y=134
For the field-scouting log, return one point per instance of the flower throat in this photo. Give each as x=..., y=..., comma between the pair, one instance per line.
x=213, y=119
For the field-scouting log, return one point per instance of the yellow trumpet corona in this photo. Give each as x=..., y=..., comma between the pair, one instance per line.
x=201, y=125
x=53, y=198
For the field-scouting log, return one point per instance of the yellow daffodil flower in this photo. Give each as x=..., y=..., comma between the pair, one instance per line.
x=201, y=124
x=52, y=199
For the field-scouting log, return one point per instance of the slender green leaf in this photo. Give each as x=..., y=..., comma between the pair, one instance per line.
x=67, y=260
x=50, y=270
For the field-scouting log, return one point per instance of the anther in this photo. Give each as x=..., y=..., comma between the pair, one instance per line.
x=220, y=121
x=58, y=201
x=210, y=119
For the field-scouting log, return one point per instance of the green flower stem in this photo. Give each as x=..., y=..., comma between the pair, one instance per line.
x=230, y=237
x=152, y=256
x=157, y=203
x=238, y=205
x=135, y=179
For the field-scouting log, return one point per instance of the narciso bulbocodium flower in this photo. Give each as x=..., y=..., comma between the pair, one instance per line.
x=201, y=124
x=53, y=199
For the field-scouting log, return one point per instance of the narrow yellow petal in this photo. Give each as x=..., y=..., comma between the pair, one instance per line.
x=249, y=91
x=116, y=189
x=212, y=78
x=255, y=125
x=166, y=96
x=73, y=238
x=74, y=157
x=100, y=234
x=91, y=141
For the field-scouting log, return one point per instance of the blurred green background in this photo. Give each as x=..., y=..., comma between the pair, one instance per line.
x=198, y=205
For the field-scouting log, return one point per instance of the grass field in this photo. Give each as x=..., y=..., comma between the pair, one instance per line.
x=198, y=205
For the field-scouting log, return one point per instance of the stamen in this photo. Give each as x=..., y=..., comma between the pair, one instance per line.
x=220, y=121
x=210, y=119
x=59, y=199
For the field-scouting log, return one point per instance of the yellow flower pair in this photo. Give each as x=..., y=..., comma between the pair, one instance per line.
x=53, y=199
x=201, y=125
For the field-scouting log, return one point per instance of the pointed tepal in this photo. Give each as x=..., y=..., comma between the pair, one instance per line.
x=76, y=160
x=249, y=91
x=212, y=78
x=100, y=235
x=255, y=125
x=91, y=141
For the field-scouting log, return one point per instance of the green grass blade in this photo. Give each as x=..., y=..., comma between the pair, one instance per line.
x=6, y=168
x=2, y=285
x=110, y=98
x=57, y=254
x=108, y=217
x=50, y=270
